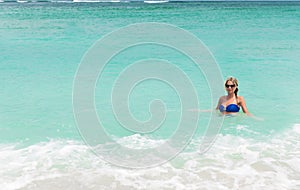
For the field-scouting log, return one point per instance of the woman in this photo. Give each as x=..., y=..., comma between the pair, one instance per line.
x=232, y=102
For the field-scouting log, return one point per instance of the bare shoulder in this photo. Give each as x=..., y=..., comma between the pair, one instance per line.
x=222, y=97
x=241, y=99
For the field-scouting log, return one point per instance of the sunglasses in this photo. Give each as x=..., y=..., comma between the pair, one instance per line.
x=227, y=85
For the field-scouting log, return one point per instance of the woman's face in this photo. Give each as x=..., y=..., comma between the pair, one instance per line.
x=230, y=87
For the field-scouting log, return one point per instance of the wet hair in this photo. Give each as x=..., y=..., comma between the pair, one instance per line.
x=234, y=81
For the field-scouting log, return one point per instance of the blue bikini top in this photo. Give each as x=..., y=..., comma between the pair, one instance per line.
x=229, y=108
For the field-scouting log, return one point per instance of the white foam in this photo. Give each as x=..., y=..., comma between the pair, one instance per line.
x=138, y=141
x=156, y=1
x=232, y=163
x=22, y=1
x=296, y=128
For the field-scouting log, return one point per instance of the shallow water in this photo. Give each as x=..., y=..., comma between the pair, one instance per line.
x=42, y=45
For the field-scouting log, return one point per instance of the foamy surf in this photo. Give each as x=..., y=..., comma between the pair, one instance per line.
x=155, y=2
x=232, y=162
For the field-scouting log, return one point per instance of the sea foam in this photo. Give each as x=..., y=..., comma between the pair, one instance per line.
x=233, y=162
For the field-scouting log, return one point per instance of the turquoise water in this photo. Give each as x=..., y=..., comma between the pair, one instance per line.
x=42, y=45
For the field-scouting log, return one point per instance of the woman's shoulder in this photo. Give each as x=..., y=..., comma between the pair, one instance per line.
x=240, y=99
x=222, y=98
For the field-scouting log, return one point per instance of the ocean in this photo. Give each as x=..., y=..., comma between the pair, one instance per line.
x=149, y=123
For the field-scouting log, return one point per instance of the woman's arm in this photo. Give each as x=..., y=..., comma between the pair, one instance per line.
x=243, y=105
x=219, y=102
